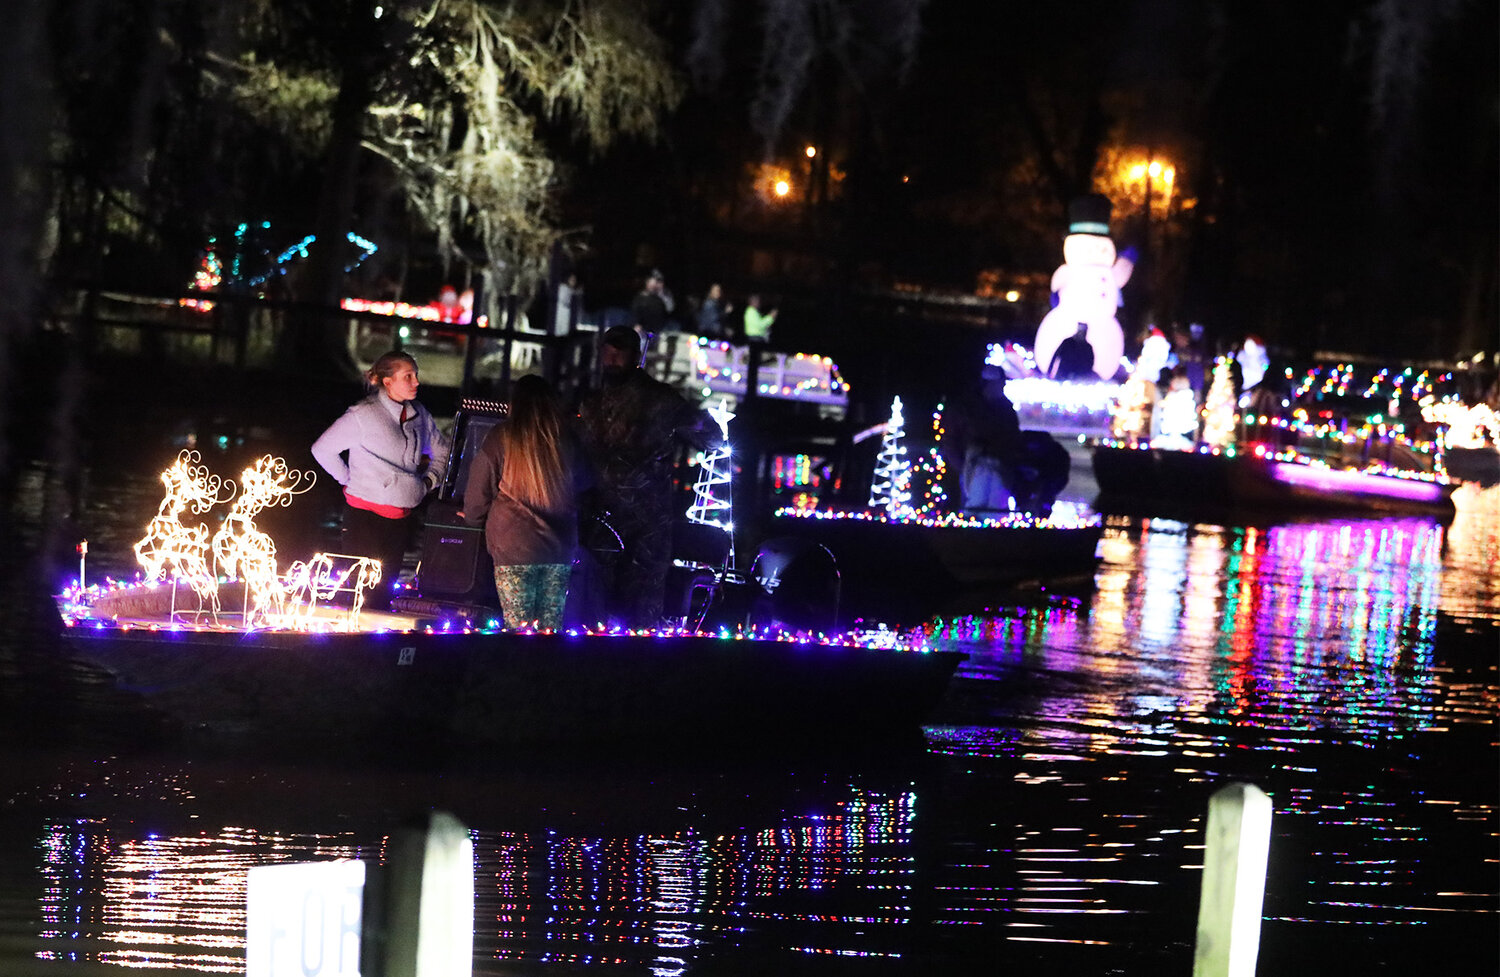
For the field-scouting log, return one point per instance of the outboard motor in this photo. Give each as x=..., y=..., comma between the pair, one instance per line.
x=795, y=586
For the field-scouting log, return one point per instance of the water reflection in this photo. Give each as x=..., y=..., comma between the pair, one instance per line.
x=1308, y=658
x=1300, y=626
x=177, y=901
x=157, y=901
x=1346, y=666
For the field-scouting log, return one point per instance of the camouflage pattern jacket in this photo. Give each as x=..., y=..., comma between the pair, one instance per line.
x=631, y=433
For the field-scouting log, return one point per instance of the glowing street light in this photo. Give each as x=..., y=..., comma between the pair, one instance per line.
x=1153, y=175
x=782, y=188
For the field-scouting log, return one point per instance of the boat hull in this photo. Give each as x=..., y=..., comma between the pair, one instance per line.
x=490, y=688
x=893, y=567
x=1192, y=480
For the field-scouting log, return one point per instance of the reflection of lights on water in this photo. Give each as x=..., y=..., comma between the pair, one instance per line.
x=178, y=901
x=1301, y=626
x=165, y=902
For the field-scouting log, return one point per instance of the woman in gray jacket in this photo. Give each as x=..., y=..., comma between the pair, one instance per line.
x=387, y=453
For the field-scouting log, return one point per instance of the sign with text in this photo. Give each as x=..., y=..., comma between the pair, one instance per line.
x=303, y=920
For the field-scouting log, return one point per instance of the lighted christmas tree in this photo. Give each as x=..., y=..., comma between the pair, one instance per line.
x=1132, y=413
x=1218, y=407
x=711, y=494
x=891, y=487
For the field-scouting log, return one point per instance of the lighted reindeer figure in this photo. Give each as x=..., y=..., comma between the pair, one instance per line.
x=171, y=547
x=245, y=552
x=312, y=581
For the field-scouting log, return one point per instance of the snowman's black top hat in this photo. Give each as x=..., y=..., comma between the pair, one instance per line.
x=1089, y=214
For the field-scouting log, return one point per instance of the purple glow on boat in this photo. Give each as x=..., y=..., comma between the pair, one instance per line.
x=1362, y=483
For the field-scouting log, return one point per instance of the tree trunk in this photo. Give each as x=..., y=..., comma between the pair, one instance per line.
x=316, y=341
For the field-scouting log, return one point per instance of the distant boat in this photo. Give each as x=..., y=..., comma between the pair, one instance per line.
x=1139, y=474
x=1479, y=464
x=711, y=369
x=888, y=562
x=403, y=679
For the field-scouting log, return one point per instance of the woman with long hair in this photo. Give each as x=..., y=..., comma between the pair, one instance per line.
x=387, y=453
x=523, y=488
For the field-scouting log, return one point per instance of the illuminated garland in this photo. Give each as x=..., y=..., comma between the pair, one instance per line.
x=77, y=606
x=1337, y=380
x=1288, y=455
x=720, y=367
x=1065, y=515
x=289, y=602
x=211, y=272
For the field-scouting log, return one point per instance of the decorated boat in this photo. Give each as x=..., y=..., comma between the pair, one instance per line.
x=908, y=543
x=219, y=637
x=395, y=678
x=1334, y=453
x=715, y=370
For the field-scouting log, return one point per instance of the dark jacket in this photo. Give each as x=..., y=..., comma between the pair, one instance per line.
x=631, y=433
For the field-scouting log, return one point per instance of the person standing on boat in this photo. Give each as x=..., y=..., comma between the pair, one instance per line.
x=632, y=426
x=523, y=489
x=1006, y=466
x=388, y=453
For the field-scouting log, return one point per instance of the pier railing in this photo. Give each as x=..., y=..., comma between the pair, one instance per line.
x=250, y=333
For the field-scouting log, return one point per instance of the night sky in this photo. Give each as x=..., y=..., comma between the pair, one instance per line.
x=1343, y=168
x=1336, y=162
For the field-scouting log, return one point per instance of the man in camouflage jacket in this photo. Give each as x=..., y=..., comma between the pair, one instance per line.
x=632, y=427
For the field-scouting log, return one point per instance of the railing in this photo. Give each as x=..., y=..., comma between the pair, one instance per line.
x=249, y=333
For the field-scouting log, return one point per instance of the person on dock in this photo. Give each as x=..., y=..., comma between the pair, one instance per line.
x=757, y=323
x=388, y=454
x=713, y=314
x=632, y=426
x=653, y=305
x=523, y=489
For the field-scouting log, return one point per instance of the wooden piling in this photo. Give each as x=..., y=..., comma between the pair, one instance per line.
x=1234, y=879
x=428, y=896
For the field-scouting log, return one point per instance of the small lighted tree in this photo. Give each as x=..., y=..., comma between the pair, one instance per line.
x=1218, y=406
x=712, y=502
x=1132, y=413
x=891, y=487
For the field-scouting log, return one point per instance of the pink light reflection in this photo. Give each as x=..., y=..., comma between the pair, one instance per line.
x=1361, y=483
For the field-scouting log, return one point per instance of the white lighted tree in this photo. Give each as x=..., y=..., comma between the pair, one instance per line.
x=891, y=487
x=1132, y=413
x=1218, y=406
x=712, y=502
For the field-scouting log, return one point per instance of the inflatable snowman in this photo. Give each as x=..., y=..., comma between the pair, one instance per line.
x=1087, y=286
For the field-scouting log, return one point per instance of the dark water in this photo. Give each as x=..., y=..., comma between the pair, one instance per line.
x=1052, y=822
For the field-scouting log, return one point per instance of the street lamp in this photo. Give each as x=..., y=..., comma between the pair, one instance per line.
x=1153, y=170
